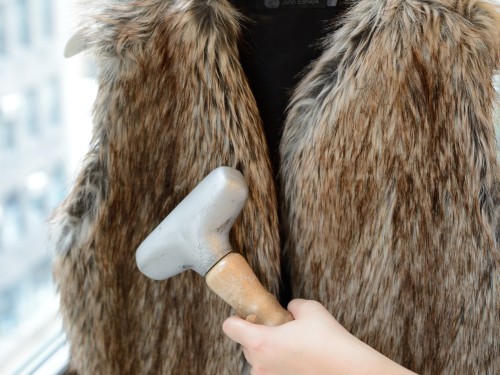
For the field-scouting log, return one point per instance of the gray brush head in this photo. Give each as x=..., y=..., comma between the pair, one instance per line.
x=195, y=235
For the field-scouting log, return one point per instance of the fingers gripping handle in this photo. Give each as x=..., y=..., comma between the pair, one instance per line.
x=234, y=281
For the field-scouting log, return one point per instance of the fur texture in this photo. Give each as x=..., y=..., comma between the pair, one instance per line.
x=392, y=133
x=389, y=183
x=172, y=106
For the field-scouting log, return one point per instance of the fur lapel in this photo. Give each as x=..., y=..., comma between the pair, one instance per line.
x=388, y=177
x=389, y=149
x=173, y=104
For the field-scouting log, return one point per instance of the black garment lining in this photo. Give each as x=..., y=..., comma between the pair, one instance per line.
x=275, y=49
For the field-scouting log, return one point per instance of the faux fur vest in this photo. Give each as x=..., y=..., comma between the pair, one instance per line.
x=388, y=180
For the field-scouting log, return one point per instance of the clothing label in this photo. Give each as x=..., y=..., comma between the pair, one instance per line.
x=295, y=4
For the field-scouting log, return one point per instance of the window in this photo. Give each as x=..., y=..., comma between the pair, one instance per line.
x=55, y=101
x=36, y=163
x=59, y=186
x=8, y=309
x=32, y=125
x=1, y=244
x=51, y=96
x=7, y=134
x=10, y=109
x=3, y=32
x=47, y=18
x=13, y=220
x=23, y=22
x=37, y=190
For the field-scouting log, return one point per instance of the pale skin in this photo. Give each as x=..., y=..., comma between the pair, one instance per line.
x=313, y=344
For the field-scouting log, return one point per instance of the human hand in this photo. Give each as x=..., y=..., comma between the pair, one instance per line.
x=314, y=343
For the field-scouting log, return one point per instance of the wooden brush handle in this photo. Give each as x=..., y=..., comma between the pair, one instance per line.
x=234, y=281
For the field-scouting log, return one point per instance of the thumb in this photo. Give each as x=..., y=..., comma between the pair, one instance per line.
x=240, y=330
x=301, y=308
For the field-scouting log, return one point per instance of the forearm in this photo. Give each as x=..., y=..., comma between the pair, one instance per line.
x=374, y=363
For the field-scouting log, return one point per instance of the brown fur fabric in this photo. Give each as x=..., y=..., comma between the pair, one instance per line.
x=397, y=149
x=172, y=105
x=389, y=183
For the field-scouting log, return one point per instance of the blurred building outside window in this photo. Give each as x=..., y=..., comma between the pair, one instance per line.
x=23, y=21
x=54, y=100
x=47, y=17
x=10, y=113
x=14, y=226
x=32, y=113
x=3, y=31
x=45, y=123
